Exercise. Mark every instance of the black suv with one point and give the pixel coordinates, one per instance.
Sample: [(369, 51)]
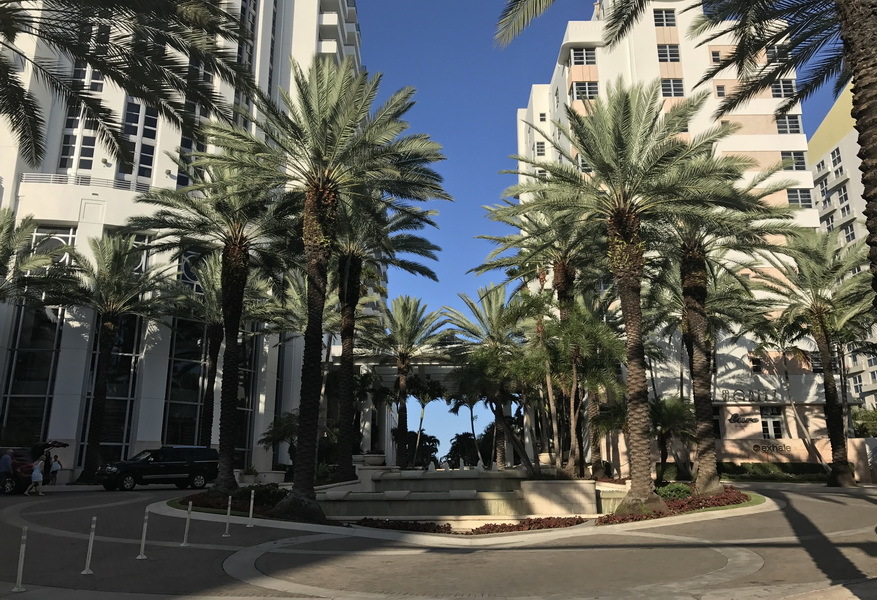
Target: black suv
[(22, 465), (181, 465)]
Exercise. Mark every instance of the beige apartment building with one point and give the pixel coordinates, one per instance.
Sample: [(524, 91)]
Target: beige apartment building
[(751, 402), (80, 192)]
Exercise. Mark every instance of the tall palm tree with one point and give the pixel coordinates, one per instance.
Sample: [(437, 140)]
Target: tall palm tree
[(643, 172), (35, 274), (426, 391), (147, 48), (115, 284), (706, 241), (820, 289), (671, 418), (328, 144), (490, 343), (470, 401), (818, 42), (239, 226), (411, 334), (364, 249)]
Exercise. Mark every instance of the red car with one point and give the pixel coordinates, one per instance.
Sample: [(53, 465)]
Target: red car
[(22, 465)]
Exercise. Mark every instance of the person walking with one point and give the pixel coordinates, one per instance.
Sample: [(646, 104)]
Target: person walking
[(36, 478), (6, 470), (54, 470)]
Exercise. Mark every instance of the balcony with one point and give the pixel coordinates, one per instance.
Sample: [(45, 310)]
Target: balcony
[(84, 180)]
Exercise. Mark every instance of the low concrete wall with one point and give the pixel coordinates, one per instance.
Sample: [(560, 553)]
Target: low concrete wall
[(444, 480), (560, 497)]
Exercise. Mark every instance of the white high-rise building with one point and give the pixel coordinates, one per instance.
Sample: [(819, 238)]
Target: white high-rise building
[(834, 161), (751, 401), (79, 192)]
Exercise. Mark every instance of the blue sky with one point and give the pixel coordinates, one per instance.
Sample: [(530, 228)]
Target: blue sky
[(467, 94)]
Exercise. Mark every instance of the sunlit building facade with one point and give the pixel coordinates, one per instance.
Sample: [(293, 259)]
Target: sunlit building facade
[(80, 191)]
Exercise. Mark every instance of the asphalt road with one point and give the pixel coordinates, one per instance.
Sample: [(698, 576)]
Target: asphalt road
[(810, 542)]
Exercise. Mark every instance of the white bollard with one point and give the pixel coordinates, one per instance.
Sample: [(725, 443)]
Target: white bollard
[(227, 519), (142, 555), (252, 499), (87, 570), (186, 532), (18, 587)]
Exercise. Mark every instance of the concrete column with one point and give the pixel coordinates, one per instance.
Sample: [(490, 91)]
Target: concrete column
[(264, 402), (149, 399)]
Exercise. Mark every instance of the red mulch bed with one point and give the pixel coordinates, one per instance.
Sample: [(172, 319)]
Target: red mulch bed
[(427, 527), (730, 497)]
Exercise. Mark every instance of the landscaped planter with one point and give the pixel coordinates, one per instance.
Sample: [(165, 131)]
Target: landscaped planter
[(374, 460), (271, 477)]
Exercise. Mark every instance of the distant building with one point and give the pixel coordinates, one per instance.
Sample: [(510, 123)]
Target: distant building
[(833, 152)]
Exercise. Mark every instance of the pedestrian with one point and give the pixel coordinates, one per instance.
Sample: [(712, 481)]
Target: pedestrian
[(54, 469), (36, 478), (6, 470)]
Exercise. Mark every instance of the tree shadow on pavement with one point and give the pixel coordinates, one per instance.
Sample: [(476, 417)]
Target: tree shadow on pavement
[(827, 557)]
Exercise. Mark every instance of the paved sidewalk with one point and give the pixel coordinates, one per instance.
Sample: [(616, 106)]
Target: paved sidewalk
[(808, 543)]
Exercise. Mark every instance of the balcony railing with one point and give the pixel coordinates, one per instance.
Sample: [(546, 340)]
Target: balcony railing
[(86, 180)]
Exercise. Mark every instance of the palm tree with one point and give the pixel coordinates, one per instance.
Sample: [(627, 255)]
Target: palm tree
[(489, 345), (283, 429), (327, 144), (671, 418), (411, 334), (643, 172), (470, 401), (365, 248), (144, 48), (425, 391), (115, 285), (34, 274), (820, 289), (816, 42), (239, 226), (702, 243)]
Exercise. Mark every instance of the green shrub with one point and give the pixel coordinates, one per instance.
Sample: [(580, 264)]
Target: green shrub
[(793, 471), (268, 494), (674, 491), (671, 473)]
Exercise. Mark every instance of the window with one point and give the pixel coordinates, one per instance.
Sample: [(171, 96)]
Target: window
[(776, 53), (793, 160), (820, 166), (788, 124), (823, 187), (842, 194), (716, 57), (541, 173), (849, 232), (772, 422), (838, 172), (755, 362), (828, 222), (582, 56), (556, 98), (782, 88), (668, 52), (672, 88), (665, 17), (543, 117), (584, 90), (873, 376), (583, 166), (720, 91), (717, 422), (139, 127), (540, 148), (799, 197), (872, 361), (845, 211), (86, 151), (857, 383), (835, 157)]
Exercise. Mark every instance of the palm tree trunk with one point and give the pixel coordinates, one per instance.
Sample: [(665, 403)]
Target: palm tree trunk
[(419, 431), (858, 20), (318, 216), (556, 456), (214, 343), (626, 262), (505, 431), (235, 266), (474, 438), (597, 470), (805, 431), (574, 463), (841, 475), (694, 276), (350, 268), (402, 369), (106, 337), (664, 447)]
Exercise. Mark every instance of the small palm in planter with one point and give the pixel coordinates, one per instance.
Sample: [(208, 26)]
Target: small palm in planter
[(284, 428), (249, 475)]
